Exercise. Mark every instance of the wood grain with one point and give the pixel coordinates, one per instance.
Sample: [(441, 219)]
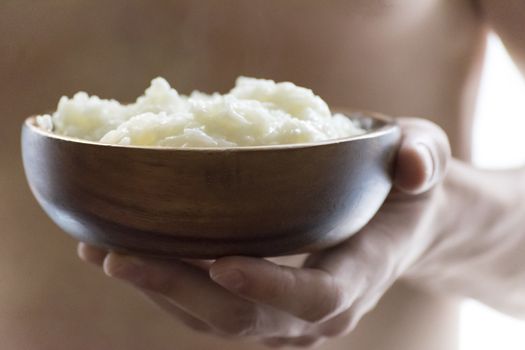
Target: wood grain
[(206, 203)]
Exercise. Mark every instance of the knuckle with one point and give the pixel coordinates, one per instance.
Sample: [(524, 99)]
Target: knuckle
[(307, 342), (340, 297), (418, 123), (155, 277), (241, 320), (274, 290), (154, 281), (286, 284), (336, 301), (160, 284), (197, 326), (333, 299), (341, 325)]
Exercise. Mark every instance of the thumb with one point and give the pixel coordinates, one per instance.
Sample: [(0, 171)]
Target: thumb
[(423, 156)]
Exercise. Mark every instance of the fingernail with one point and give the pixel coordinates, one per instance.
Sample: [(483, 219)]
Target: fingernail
[(426, 154), (123, 267), (81, 247), (230, 279)]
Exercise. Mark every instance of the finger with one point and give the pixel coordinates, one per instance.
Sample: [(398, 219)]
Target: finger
[(91, 254), (303, 341), (96, 255), (166, 305), (340, 325), (307, 341), (423, 155), (309, 294), (369, 258), (370, 262), (275, 342), (191, 289), (202, 264)]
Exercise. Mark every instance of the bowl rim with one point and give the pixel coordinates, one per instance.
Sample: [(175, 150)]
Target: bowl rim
[(390, 125)]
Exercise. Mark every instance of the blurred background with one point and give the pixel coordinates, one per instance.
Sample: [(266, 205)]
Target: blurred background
[(102, 65), (496, 145)]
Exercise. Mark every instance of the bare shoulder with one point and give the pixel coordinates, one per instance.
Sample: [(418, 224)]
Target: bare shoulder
[(506, 18)]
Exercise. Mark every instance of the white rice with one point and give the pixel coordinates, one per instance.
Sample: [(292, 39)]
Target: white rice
[(255, 112)]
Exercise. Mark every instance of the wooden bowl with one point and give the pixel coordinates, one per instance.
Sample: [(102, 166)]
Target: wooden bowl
[(212, 202)]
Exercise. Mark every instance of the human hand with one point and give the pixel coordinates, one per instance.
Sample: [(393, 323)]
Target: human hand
[(277, 305)]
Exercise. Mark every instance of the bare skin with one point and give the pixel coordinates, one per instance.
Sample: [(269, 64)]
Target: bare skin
[(400, 57)]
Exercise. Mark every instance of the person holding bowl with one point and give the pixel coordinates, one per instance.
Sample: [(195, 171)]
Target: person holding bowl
[(448, 230)]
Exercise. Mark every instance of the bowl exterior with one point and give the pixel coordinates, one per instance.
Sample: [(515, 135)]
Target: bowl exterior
[(206, 204)]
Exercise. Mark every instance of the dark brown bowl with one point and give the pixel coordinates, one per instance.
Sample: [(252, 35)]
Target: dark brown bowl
[(212, 202)]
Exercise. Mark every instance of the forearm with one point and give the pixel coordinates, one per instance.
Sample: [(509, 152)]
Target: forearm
[(479, 245)]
